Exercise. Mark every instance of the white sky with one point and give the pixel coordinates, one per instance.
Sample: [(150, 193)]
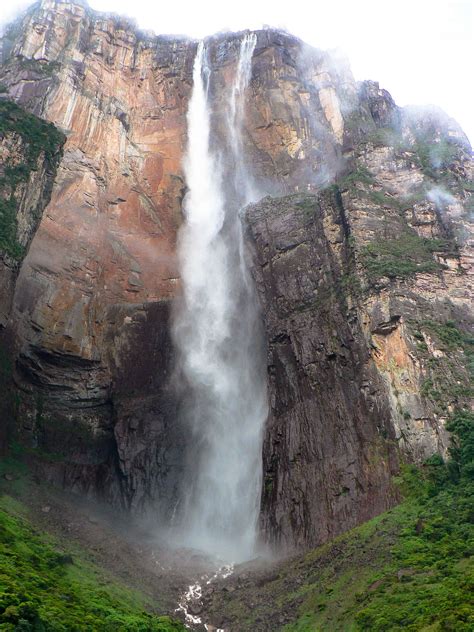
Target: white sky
[(421, 51)]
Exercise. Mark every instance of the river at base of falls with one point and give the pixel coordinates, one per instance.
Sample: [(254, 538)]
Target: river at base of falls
[(190, 604)]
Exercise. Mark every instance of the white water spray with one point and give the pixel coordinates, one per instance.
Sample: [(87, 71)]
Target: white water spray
[(216, 331), (242, 179)]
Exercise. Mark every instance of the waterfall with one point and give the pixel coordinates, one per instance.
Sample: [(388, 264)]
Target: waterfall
[(242, 179), (217, 334)]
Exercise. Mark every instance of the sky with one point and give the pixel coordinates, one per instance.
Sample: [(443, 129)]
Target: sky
[(421, 51)]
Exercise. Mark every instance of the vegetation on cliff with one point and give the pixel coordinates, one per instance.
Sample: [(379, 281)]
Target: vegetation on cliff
[(449, 376), (38, 138), (429, 576), (401, 257)]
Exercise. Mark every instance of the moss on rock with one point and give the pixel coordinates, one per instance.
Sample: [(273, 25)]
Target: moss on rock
[(38, 138)]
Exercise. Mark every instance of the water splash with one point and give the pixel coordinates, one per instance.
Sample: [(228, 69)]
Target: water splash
[(216, 331)]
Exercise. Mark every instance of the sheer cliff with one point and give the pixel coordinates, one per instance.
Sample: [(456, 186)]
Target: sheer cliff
[(361, 251)]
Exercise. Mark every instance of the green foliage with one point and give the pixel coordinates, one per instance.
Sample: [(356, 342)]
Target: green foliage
[(350, 284), (385, 137), (8, 227), (434, 155), (358, 175), (38, 137), (409, 569), (43, 588), (448, 378), (447, 333), (383, 199), (308, 206), (401, 257), (429, 390), (451, 338), (438, 548), (461, 464)]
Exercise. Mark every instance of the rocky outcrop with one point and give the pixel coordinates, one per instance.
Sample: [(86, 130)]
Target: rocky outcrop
[(328, 453), (362, 264), (367, 295)]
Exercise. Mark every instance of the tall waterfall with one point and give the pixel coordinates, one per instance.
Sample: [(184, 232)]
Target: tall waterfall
[(216, 332)]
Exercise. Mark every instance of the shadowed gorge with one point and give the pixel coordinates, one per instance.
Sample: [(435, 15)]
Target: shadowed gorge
[(236, 315)]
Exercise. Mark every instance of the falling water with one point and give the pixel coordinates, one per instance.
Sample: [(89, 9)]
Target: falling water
[(242, 180), (216, 331)]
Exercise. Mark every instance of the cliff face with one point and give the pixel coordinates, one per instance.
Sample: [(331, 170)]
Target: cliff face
[(367, 294), (328, 452), (93, 293), (361, 262), (30, 150)]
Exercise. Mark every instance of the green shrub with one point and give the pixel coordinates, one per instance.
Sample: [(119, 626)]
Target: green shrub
[(408, 569), (437, 547), (447, 333), (461, 426), (38, 137), (401, 257), (360, 174), (434, 156), (44, 589)]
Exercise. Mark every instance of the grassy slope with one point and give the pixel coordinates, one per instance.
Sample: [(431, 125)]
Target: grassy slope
[(409, 569), (50, 585)]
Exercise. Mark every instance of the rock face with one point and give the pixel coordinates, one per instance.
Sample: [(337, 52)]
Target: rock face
[(30, 150), (351, 376), (367, 294), (100, 271), (329, 447), (361, 260)]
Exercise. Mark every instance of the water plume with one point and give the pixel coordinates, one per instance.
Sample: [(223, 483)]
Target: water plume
[(217, 334)]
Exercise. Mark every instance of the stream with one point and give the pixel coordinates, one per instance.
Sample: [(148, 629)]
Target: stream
[(190, 603)]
